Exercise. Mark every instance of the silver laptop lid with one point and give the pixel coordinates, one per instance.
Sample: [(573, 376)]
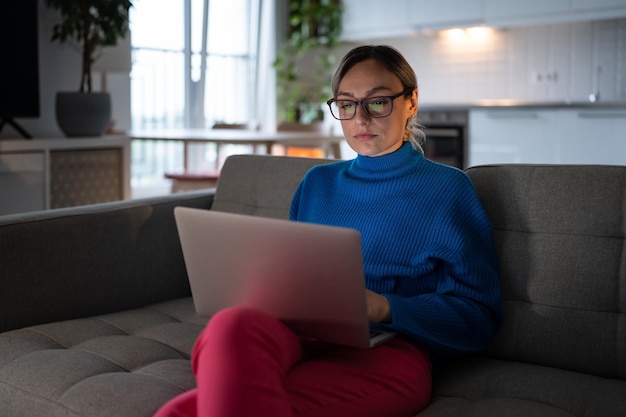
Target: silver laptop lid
[(309, 276)]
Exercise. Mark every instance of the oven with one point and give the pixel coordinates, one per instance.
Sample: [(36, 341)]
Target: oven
[(446, 136)]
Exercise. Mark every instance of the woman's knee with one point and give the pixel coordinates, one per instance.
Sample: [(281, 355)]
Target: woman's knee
[(234, 323), (246, 331), (239, 318)]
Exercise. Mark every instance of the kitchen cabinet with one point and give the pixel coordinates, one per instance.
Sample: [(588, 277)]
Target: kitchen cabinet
[(512, 136), (593, 136), (498, 10), (41, 174), (530, 12), (596, 5), (445, 13), (370, 19), (367, 19), (559, 135)]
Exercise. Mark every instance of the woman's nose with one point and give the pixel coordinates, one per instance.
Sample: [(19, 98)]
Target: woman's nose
[(361, 115)]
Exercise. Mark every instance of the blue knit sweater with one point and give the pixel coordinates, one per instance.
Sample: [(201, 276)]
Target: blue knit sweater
[(427, 243)]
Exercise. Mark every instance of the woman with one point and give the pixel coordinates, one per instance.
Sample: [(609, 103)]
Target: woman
[(429, 262)]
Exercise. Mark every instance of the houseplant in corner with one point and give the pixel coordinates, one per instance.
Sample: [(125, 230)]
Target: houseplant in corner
[(92, 25), (305, 60)]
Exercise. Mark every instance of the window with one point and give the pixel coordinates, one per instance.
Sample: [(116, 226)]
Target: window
[(170, 89), (167, 62)]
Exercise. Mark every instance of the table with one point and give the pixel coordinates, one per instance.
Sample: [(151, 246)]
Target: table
[(328, 143)]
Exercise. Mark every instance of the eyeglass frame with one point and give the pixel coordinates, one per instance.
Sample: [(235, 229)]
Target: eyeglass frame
[(357, 103)]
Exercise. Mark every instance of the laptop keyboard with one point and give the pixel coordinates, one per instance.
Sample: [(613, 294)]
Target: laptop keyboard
[(374, 333)]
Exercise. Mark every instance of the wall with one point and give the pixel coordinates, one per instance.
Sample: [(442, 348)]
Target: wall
[(557, 62), (59, 70)]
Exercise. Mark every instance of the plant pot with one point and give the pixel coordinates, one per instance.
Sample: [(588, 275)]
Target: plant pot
[(83, 114)]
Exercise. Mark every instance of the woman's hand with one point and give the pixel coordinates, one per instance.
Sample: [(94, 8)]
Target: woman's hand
[(378, 308)]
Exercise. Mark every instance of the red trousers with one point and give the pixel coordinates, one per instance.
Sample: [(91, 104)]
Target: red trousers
[(248, 363)]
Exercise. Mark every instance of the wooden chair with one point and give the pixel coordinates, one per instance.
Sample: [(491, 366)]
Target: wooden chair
[(187, 181), (311, 152)]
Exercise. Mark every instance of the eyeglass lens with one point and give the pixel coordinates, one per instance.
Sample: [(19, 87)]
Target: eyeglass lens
[(375, 107)]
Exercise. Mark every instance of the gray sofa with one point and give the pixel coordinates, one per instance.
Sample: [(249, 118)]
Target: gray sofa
[(96, 317)]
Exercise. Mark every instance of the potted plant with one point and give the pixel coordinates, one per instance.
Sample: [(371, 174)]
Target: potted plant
[(92, 24), (313, 34)]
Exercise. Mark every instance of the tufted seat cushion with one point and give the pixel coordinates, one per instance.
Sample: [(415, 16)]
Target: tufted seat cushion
[(138, 357)]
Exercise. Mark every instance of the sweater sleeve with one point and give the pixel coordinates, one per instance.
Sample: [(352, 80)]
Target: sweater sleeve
[(463, 313)]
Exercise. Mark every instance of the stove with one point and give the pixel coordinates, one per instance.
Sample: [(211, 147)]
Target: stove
[(446, 136)]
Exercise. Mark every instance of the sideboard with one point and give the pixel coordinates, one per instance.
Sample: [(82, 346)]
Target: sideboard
[(46, 173)]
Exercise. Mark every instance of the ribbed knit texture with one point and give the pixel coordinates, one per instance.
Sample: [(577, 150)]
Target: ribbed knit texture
[(427, 243)]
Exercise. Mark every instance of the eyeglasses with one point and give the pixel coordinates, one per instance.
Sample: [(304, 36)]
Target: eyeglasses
[(380, 106)]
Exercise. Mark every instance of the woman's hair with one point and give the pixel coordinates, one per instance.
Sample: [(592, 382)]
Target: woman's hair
[(395, 63)]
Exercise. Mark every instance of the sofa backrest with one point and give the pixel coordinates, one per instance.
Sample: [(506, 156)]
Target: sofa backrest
[(560, 235), (261, 185)]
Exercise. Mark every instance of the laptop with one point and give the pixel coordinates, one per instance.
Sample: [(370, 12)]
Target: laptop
[(309, 276)]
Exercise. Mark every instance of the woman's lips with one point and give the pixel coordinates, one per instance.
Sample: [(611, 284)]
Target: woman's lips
[(363, 137)]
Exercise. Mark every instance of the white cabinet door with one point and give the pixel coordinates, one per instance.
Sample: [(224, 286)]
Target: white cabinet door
[(555, 136), (370, 19), (530, 12), (445, 13), (512, 136), (592, 136), (578, 5), (515, 9), (22, 182)]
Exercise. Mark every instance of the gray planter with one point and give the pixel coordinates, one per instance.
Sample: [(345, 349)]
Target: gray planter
[(83, 114)]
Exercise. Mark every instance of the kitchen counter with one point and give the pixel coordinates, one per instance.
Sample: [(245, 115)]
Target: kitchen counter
[(578, 133), (506, 104), (515, 131)]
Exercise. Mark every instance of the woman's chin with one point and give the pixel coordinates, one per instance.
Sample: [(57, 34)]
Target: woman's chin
[(371, 149), (364, 148)]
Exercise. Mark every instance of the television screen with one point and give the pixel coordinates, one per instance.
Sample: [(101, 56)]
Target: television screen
[(19, 71)]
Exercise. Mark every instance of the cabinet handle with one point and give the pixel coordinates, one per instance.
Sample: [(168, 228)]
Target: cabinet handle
[(601, 115), (512, 115)]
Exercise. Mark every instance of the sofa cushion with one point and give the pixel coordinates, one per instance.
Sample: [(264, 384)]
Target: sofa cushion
[(561, 239), (126, 363)]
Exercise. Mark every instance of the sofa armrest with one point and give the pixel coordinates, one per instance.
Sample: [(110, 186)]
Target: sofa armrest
[(82, 261)]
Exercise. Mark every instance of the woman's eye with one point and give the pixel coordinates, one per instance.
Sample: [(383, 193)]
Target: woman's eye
[(376, 105)]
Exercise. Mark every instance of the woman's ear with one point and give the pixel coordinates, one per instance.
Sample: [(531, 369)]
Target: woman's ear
[(414, 102)]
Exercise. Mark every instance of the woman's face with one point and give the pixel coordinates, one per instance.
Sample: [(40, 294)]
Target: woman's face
[(375, 136)]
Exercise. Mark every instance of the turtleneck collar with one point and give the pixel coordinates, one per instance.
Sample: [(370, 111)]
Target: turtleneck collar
[(394, 163)]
